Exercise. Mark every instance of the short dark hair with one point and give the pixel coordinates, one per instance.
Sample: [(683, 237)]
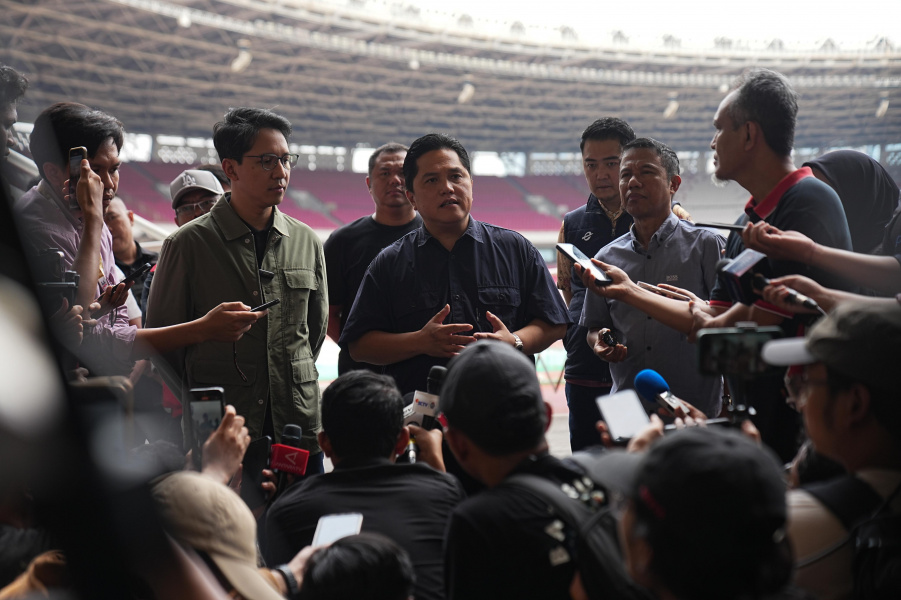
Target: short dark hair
[(67, 125), (768, 99), (217, 171), (362, 414), (389, 148), (236, 134), (366, 566), (608, 128), (429, 143), (667, 156), (12, 85)]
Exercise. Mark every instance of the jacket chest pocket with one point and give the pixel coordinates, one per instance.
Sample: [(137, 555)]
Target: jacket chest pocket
[(299, 283)]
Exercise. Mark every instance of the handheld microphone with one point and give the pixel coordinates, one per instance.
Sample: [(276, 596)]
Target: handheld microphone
[(287, 457), (794, 297), (651, 386), (424, 409)]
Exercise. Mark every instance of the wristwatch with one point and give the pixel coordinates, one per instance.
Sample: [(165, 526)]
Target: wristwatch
[(517, 342), (290, 580)]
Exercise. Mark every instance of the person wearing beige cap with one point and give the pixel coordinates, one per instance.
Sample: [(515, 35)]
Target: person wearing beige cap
[(208, 517), (847, 390)]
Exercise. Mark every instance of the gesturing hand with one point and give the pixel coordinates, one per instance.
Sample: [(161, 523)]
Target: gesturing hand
[(444, 341)]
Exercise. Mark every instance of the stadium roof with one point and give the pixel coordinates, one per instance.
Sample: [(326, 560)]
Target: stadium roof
[(346, 74)]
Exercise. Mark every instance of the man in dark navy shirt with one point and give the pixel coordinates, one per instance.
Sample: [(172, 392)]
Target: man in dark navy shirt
[(450, 282)]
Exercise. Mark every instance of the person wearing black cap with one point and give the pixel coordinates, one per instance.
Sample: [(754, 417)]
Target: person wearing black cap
[(502, 543), (847, 393), (706, 519)]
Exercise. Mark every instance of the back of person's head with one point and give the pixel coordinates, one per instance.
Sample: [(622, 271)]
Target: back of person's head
[(608, 128), (668, 158), (492, 395), (207, 516), (237, 132), (12, 86), (710, 505), (429, 143), (366, 566), (66, 125), (217, 172), (389, 148), (362, 415), (767, 98)]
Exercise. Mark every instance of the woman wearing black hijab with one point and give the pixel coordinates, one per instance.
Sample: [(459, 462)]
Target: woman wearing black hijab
[(868, 194)]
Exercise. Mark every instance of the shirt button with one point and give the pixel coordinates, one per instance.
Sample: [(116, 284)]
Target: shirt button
[(260, 401), (255, 293), (649, 257), (649, 347), (246, 240), (456, 296)]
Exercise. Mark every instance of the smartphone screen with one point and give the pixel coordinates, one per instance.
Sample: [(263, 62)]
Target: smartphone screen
[(576, 255), (623, 413), (76, 155), (206, 407), (334, 527), (734, 352)]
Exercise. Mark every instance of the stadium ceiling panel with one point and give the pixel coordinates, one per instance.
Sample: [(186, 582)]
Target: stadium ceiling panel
[(174, 67)]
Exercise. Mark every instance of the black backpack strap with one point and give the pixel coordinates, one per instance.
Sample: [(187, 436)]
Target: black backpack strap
[(850, 499)]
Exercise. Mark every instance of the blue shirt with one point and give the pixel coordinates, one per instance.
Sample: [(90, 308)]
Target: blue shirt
[(489, 268), (679, 254)]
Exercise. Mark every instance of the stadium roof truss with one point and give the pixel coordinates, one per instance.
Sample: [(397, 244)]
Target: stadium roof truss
[(344, 79)]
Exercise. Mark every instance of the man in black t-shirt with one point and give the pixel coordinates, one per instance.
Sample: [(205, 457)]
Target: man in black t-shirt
[(362, 433), (350, 248), (502, 542)]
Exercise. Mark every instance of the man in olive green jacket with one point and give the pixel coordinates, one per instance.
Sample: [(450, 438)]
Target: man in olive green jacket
[(245, 249)]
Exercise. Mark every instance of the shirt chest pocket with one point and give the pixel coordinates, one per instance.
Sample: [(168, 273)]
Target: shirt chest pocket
[(415, 310), (299, 283), (503, 302)]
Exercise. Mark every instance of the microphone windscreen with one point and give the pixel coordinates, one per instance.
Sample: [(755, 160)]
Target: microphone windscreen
[(649, 383), (722, 264), (291, 435)]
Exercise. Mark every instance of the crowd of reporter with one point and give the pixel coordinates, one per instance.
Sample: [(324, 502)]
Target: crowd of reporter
[(94, 506)]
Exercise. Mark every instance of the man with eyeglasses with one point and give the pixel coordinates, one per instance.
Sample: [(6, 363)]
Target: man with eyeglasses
[(246, 249), (843, 380)]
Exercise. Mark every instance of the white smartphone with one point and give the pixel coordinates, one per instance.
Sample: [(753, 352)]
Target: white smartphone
[(624, 414), (663, 292), (334, 527)]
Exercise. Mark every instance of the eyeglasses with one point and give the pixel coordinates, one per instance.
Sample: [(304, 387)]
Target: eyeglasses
[(268, 161), (798, 386), (190, 209)]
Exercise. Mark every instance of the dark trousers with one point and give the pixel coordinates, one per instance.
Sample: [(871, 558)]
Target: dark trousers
[(583, 414)]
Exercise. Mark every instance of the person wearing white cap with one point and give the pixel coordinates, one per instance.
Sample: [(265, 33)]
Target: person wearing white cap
[(847, 392), (194, 192)]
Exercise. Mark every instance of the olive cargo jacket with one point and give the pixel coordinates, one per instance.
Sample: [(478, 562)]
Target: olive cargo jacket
[(212, 260)]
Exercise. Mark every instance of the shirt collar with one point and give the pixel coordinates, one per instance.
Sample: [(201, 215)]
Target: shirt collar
[(758, 211), (46, 190), (594, 205), (663, 232), (233, 227), (474, 230)]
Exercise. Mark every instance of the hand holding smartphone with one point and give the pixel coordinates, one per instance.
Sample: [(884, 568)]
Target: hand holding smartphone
[(206, 408), (576, 255), (76, 155), (624, 415)]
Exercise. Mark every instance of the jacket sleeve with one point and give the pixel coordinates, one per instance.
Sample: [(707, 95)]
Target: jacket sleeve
[(170, 304), (317, 317)]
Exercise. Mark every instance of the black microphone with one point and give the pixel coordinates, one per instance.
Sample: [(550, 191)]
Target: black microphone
[(793, 297), (433, 386)]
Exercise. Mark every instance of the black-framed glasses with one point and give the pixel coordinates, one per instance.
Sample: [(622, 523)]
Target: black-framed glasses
[(268, 161)]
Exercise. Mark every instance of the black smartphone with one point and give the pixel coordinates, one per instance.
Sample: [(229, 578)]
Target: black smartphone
[(76, 155), (256, 458), (266, 305), (726, 226), (139, 272), (206, 408), (576, 255)]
